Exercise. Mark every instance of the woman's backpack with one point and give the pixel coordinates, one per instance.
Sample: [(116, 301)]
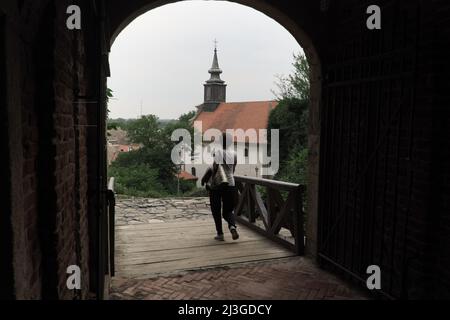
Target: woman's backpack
[(219, 177)]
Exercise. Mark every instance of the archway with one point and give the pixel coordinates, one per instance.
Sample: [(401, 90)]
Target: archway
[(121, 16), (381, 95)]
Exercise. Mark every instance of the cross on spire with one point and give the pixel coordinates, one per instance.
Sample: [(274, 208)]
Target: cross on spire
[(215, 44)]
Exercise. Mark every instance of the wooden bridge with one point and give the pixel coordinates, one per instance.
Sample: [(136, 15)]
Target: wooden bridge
[(188, 263), (145, 250), (271, 227)]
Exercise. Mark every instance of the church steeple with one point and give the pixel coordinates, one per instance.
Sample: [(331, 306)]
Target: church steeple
[(215, 70), (215, 88)]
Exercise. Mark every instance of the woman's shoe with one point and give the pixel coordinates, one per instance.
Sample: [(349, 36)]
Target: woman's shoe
[(234, 233), (219, 237)]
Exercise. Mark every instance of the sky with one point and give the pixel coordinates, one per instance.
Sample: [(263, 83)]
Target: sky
[(160, 61)]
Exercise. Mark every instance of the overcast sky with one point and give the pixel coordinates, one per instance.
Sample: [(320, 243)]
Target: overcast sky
[(162, 58)]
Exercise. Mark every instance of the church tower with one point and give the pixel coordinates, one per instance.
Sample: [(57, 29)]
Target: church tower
[(215, 88)]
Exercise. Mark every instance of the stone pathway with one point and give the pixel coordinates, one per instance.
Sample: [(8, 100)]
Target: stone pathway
[(143, 210)]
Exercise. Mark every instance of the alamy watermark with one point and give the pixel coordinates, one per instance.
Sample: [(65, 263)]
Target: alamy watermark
[(251, 147), (374, 280), (73, 22), (74, 279), (374, 20)]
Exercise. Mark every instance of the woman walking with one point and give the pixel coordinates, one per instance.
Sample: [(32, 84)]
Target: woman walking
[(222, 188)]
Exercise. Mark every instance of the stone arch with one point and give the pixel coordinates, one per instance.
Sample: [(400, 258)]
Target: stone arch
[(121, 14)]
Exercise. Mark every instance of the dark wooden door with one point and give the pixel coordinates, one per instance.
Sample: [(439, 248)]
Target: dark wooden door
[(366, 181)]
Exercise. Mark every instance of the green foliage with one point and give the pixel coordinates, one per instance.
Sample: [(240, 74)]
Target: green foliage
[(291, 118), (186, 187), (158, 159), (119, 123), (300, 79), (294, 169), (137, 180), (153, 160), (187, 118), (295, 85), (183, 122), (146, 131), (109, 95)]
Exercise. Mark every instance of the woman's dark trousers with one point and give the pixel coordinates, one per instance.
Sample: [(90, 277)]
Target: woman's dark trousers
[(223, 199)]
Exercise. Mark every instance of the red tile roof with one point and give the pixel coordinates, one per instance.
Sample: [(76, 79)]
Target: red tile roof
[(183, 175), (237, 115)]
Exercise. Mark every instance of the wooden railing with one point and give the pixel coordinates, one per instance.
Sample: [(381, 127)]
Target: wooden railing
[(278, 214)]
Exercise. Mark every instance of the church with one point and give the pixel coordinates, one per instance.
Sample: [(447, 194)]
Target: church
[(245, 117)]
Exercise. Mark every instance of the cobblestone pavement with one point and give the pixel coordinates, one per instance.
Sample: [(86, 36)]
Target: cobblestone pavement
[(143, 210), (294, 278), (284, 279)]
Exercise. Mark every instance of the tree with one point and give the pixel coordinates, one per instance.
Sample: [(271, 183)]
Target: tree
[(294, 169), (183, 122), (153, 159), (290, 117), (119, 123), (187, 118), (295, 85), (146, 131)]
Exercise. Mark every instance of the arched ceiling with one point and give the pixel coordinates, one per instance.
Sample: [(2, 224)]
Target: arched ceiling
[(302, 18)]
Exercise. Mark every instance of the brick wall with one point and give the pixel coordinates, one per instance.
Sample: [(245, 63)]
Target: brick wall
[(6, 268), (49, 170), (27, 238), (71, 155)]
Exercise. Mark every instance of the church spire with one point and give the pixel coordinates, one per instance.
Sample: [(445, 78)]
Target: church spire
[(215, 70), (215, 88)]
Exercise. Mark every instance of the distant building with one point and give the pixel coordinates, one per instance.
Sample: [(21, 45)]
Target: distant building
[(183, 175), (216, 113), (118, 143)]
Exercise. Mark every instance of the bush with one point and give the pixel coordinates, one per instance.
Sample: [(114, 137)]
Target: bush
[(290, 117), (137, 180), (294, 169)]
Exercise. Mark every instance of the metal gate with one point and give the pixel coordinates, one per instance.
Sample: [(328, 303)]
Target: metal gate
[(367, 134)]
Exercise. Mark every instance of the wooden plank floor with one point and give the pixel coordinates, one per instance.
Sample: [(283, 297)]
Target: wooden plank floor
[(145, 250)]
